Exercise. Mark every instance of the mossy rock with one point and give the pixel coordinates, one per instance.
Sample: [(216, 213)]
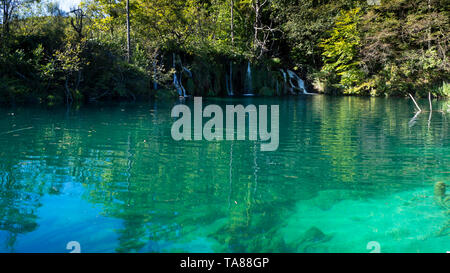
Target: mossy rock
[(311, 240), (54, 99), (326, 199), (163, 94), (266, 91), (190, 87)]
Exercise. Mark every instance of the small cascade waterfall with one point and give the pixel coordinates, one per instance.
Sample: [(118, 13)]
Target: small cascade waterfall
[(227, 84), (155, 84), (231, 93), (276, 87), (178, 86), (285, 81), (229, 81), (248, 81), (185, 69), (177, 82), (300, 83)]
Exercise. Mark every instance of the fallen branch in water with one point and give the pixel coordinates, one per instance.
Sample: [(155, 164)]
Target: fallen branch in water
[(413, 120), (420, 110), (429, 99), (431, 110), (13, 131)]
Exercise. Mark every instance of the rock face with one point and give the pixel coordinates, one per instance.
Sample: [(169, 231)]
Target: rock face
[(311, 239)]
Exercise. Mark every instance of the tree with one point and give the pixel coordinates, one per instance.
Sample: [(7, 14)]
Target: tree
[(340, 50), (70, 62), (8, 9), (128, 32), (263, 29), (78, 24), (232, 21)]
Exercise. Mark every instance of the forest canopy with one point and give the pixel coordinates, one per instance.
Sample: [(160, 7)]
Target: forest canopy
[(370, 48)]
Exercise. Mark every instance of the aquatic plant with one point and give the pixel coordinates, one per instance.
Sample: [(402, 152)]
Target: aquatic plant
[(439, 191)]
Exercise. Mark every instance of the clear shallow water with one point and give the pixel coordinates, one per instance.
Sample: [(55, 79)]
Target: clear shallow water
[(112, 178)]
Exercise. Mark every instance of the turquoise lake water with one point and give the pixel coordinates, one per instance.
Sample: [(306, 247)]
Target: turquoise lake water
[(349, 172)]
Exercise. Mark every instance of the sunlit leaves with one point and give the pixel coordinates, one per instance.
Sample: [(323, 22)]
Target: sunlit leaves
[(341, 49)]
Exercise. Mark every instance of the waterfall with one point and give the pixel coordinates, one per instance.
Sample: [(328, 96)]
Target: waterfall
[(189, 73), (178, 86), (230, 86), (284, 74), (229, 81), (227, 84), (177, 82), (175, 78), (155, 84), (249, 78), (285, 81), (248, 81), (300, 83)]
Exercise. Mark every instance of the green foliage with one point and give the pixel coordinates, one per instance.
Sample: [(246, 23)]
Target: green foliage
[(397, 46), (12, 90), (305, 24), (339, 46), (69, 59), (266, 91), (405, 46), (443, 90), (340, 51)]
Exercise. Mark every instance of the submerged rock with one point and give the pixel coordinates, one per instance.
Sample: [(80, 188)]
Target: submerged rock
[(439, 190), (447, 201), (311, 238), (326, 199), (440, 196), (445, 230), (314, 235)]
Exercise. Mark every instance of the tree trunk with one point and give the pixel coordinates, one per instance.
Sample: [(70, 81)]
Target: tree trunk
[(232, 23), (128, 32), (68, 93), (256, 24), (429, 29), (231, 78), (5, 23)]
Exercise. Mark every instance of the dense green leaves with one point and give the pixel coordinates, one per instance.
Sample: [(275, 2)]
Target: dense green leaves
[(339, 46), (388, 48), (340, 50)]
